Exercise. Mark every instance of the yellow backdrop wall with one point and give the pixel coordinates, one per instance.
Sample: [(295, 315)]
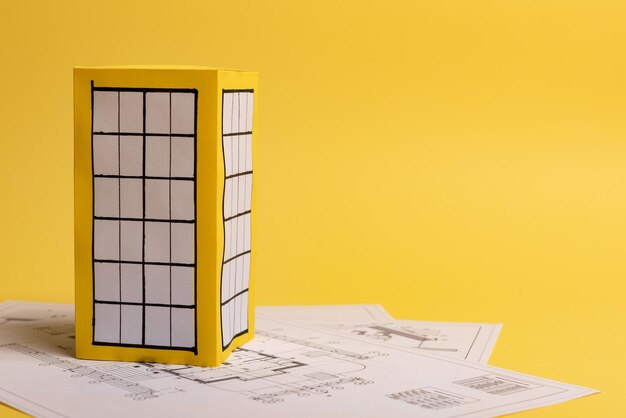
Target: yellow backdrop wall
[(451, 160)]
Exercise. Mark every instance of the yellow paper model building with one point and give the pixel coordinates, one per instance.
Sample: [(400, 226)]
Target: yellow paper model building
[(163, 213)]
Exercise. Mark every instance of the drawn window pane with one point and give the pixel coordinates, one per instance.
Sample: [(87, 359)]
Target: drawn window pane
[(157, 156), (248, 192), (226, 294), (158, 199), (131, 324), (249, 112), (156, 332), (131, 282), (157, 242), (131, 240), (241, 274), (182, 154), (182, 327), (105, 150), (183, 105), (237, 117), (131, 112), (144, 216), (182, 243), (158, 113), (131, 155), (182, 285), (182, 200), (106, 238), (131, 198), (107, 282), (244, 312), (105, 111), (107, 197), (246, 271), (157, 284), (107, 323), (226, 324)]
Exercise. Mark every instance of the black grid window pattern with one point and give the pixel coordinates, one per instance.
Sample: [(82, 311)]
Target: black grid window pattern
[(237, 112), (144, 217)]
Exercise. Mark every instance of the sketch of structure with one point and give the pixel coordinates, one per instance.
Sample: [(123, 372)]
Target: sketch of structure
[(423, 338)]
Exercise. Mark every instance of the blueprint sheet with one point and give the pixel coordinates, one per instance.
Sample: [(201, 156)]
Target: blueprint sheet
[(326, 313), (468, 341), (465, 341), (290, 369)]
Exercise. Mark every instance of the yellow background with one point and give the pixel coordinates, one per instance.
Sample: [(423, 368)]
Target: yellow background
[(451, 160)]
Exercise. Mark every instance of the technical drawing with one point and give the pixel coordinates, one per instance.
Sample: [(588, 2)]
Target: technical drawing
[(303, 367), (468, 341), (425, 338), (136, 391), (432, 398), (289, 368), (270, 378), (27, 316)]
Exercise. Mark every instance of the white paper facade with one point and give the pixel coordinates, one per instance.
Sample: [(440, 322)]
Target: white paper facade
[(237, 107), (144, 229)]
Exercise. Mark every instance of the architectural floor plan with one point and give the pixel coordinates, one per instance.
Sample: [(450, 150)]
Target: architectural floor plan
[(366, 369)]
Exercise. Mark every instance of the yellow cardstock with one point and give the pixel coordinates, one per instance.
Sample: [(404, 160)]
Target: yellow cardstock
[(164, 213)]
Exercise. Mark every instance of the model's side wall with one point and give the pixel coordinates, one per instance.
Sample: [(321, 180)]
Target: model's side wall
[(83, 209), (208, 231), (236, 80), (206, 210)]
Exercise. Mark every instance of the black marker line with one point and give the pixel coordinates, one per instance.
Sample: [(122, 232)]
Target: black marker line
[(143, 246), (221, 313), (160, 134), (230, 218), (113, 176), (150, 346), (170, 210), (239, 334), (93, 230), (240, 133), (119, 201), (147, 263), (158, 305), (195, 228), (473, 342), (230, 299), (146, 89), (243, 173), (175, 221)]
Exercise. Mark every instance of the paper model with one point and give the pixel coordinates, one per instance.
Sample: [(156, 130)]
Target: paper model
[(163, 213)]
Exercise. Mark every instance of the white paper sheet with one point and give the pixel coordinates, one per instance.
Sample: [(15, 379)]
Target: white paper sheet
[(290, 369), (321, 314), (465, 341)]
